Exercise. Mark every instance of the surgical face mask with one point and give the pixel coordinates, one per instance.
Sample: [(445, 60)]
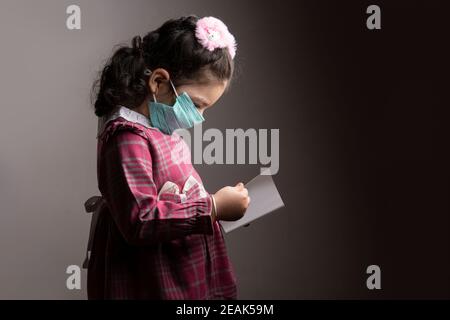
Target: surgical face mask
[(182, 115)]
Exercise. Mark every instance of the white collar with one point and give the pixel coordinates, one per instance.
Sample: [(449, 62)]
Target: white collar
[(127, 114)]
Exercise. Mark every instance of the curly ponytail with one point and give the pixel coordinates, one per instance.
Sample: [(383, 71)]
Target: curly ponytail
[(122, 79), (172, 46)]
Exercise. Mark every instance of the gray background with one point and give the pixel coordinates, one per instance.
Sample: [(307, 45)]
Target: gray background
[(363, 151)]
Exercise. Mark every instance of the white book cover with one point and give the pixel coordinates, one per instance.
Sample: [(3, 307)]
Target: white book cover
[(264, 199)]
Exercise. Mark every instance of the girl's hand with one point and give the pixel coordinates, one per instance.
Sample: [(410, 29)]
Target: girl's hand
[(231, 202)]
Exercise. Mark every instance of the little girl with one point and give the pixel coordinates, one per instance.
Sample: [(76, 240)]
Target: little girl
[(157, 234)]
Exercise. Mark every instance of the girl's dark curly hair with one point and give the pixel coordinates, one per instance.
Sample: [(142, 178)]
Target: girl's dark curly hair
[(174, 47)]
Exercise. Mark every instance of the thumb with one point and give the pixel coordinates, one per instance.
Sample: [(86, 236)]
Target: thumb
[(240, 186)]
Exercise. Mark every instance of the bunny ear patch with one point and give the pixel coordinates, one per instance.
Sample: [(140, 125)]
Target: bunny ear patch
[(190, 182)]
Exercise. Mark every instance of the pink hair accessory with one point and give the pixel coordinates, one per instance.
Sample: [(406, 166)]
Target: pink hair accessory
[(212, 33)]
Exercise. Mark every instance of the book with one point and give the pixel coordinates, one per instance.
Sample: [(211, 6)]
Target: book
[(264, 199)]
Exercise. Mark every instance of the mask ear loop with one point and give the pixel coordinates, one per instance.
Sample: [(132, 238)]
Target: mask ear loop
[(173, 87), (148, 72)]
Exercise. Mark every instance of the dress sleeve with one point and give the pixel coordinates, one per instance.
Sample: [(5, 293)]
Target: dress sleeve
[(132, 196)]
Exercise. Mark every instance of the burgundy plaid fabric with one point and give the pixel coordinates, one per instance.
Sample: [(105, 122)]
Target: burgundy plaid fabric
[(148, 246)]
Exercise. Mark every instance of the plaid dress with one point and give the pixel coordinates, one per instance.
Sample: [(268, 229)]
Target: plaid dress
[(150, 244)]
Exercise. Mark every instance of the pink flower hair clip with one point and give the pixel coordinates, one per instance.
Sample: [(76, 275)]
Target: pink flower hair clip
[(212, 33)]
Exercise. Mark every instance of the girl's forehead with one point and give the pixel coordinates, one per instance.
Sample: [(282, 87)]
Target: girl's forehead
[(204, 77)]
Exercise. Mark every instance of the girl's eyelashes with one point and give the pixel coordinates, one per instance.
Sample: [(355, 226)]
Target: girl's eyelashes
[(197, 104)]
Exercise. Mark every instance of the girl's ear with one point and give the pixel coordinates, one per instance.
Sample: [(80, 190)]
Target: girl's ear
[(158, 77)]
